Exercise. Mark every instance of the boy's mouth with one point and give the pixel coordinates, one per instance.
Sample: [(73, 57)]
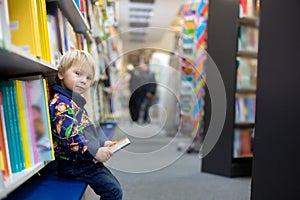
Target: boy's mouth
[(79, 87)]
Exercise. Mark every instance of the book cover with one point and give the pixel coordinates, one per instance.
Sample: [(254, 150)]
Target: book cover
[(43, 30), (120, 144), (21, 104), (9, 128), (5, 31), (3, 143), (30, 125), (242, 145), (53, 39), (24, 27), (16, 125), (40, 120), (46, 96), (56, 20), (70, 36)]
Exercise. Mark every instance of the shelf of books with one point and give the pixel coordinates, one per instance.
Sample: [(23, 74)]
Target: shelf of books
[(74, 11), (193, 56), (245, 97), (30, 48), (25, 139)]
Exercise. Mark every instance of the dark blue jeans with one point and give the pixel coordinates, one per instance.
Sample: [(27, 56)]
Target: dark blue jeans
[(100, 179)]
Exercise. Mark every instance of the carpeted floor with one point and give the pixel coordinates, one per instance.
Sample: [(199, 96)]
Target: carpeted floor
[(180, 179)]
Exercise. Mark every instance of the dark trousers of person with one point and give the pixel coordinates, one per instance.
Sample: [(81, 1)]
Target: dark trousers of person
[(99, 178), (147, 103), (135, 103)]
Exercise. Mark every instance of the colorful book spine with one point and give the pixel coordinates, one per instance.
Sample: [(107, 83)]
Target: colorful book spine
[(16, 125), (25, 28), (30, 124), (4, 26), (47, 117), (6, 168), (21, 103), (40, 118), (8, 116), (43, 30)]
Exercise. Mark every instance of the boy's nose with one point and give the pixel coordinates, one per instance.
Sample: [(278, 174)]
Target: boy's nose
[(83, 80)]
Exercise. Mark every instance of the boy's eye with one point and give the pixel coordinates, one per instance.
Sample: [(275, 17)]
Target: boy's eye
[(89, 78), (78, 73)]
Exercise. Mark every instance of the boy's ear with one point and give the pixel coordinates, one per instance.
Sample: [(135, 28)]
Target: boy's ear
[(60, 75)]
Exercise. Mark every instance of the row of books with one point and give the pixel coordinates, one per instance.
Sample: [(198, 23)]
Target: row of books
[(245, 109), (25, 138), (44, 31), (243, 143), (246, 73), (193, 44), (248, 39), (246, 62), (199, 75), (249, 8), (188, 36), (57, 31)]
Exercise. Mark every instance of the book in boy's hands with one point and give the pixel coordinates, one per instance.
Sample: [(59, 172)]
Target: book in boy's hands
[(120, 144)]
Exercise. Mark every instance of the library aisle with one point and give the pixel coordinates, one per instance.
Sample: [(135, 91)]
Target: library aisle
[(179, 180)]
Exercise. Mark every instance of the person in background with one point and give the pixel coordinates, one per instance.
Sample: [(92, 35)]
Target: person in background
[(78, 150), (143, 87)]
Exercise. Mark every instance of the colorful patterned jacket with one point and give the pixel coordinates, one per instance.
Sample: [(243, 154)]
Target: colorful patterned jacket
[(74, 135)]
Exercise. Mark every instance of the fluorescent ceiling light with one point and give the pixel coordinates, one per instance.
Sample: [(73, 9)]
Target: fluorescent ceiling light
[(139, 20), (146, 7)]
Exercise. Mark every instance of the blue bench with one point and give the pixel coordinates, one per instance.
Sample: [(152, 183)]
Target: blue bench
[(47, 185)]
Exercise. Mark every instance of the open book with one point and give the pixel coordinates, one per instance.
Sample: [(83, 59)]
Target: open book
[(120, 144)]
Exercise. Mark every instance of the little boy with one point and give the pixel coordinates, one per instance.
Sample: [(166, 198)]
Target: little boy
[(79, 152)]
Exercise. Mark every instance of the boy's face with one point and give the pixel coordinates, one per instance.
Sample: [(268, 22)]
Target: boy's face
[(77, 78)]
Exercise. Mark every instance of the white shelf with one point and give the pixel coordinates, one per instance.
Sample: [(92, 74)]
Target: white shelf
[(15, 62), (74, 16), (17, 179)]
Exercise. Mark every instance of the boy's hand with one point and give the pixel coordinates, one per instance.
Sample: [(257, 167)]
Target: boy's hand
[(103, 154), (109, 143)]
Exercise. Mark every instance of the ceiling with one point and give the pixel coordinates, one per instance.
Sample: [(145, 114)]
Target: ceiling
[(145, 22)]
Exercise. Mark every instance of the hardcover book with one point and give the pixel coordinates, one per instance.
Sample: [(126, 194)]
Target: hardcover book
[(120, 144)]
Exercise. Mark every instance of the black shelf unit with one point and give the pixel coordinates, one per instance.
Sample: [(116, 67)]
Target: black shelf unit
[(276, 165), (222, 43)]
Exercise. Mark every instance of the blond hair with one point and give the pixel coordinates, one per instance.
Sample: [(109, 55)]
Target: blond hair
[(70, 57)]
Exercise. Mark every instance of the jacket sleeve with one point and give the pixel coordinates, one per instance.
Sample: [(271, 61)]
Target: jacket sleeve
[(66, 127)]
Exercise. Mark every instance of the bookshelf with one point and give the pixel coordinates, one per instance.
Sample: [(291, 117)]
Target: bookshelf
[(275, 162), (235, 53), (71, 12), (13, 61), (18, 63)]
